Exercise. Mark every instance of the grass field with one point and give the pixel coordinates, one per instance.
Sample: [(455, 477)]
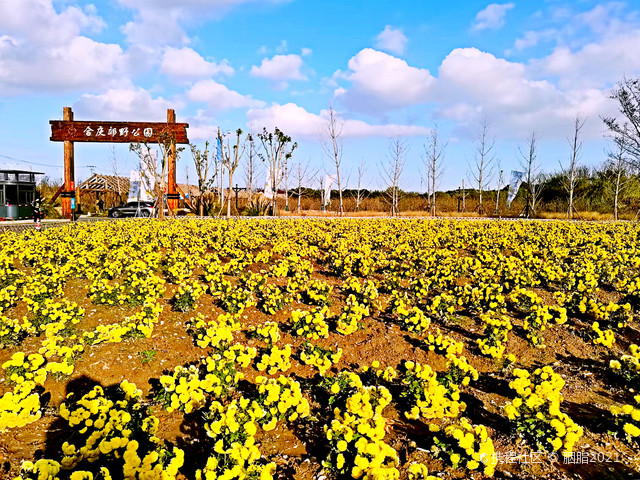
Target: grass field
[(360, 348)]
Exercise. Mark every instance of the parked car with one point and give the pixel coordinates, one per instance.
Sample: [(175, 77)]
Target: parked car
[(133, 209)]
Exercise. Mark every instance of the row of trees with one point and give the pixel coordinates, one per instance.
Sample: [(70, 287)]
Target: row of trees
[(275, 149)]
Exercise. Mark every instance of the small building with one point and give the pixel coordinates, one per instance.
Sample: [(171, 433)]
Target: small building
[(17, 191), (113, 190)]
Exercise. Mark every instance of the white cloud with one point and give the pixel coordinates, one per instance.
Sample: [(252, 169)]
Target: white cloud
[(391, 40), (593, 50), (43, 50), (37, 21), (79, 64), (187, 64), (380, 82), (161, 22), (492, 17), (298, 122), (131, 104), (474, 84), (596, 64), (218, 97), (279, 68)]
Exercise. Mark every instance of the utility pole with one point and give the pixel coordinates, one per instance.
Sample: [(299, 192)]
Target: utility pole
[(236, 189), (498, 192), (464, 200)]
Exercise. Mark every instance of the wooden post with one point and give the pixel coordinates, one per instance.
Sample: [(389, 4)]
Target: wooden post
[(69, 176), (172, 191)]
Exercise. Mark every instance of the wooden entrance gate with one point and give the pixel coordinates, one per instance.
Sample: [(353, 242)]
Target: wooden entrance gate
[(69, 131)]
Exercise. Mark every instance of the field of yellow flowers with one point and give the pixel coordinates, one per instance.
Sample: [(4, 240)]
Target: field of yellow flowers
[(312, 349)]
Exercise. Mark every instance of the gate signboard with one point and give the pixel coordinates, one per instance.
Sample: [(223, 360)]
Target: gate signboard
[(118, 132), (69, 131)]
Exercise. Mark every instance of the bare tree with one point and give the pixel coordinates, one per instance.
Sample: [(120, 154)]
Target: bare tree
[(302, 176), (570, 179), (392, 171), (277, 150), (333, 148), (115, 168), (626, 133), (203, 162), (157, 166), (361, 193), (482, 169), (619, 168), (231, 155), (532, 174), (433, 159), (250, 171)]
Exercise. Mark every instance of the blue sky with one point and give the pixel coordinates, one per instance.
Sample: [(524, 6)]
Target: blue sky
[(389, 68)]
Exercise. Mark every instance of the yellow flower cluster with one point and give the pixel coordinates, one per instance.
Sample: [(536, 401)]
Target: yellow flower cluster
[(214, 333), (523, 300), (350, 320), (465, 445), (628, 419), (538, 319), (113, 427), (272, 298), (321, 358), (459, 372), (187, 295), (356, 436), (317, 292), (140, 324), (139, 285), (280, 398), (365, 292), (629, 364), (235, 301), (19, 407), (50, 311), (274, 360), (606, 338), (442, 307), (482, 297), (232, 428), (186, 389), (20, 368), (427, 396), (443, 344), (536, 410), (269, 332), (418, 471), (496, 330), (310, 324)]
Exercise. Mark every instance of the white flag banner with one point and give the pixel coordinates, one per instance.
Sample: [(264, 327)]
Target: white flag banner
[(134, 186), (268, 187), (147, 179), (514, 186), (328, 183)]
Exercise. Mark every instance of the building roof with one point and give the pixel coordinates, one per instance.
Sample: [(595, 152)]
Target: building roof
[(106, 183), (21, 171)]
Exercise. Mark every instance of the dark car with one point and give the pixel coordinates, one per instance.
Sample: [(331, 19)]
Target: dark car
[(133, 209)]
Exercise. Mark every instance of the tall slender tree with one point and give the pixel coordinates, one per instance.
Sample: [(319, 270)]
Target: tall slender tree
[(569, 173), (392, 171), (231, 156), (482, 169), (532, 173), (277, 150), (333, 148), (434, 161), (626, 131)]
